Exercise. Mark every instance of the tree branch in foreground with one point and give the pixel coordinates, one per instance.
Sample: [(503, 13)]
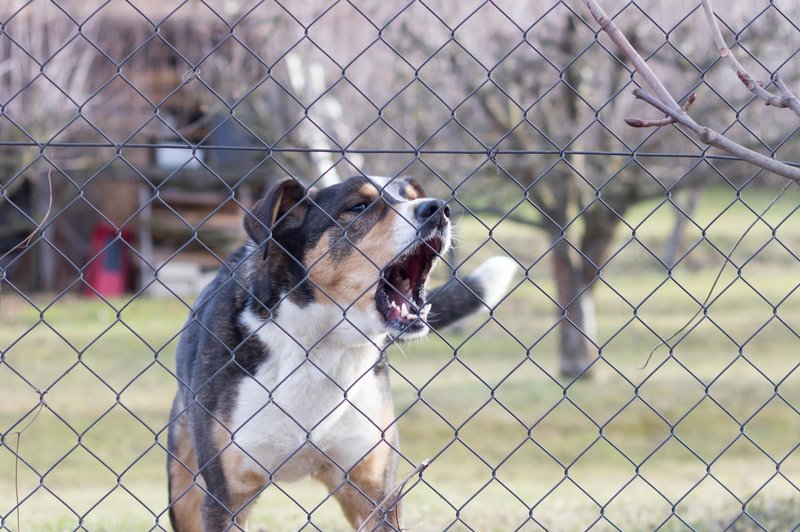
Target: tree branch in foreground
[(641, 122), (786, 100), (788, 96), (662, 100)]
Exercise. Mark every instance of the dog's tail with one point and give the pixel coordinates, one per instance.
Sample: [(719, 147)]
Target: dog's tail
[(481, 290)]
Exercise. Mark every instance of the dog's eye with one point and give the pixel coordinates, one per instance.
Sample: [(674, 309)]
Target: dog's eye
[(361, 207)]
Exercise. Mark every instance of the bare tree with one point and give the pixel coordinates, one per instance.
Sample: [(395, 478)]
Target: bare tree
[(511, 104)]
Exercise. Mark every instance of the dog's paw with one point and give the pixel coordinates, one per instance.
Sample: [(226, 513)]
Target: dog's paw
[(494, 277)]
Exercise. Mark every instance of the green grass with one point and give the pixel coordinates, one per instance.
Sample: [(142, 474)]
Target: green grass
[(527, 444)]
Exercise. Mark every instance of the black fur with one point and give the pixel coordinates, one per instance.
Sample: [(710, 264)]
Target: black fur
[(454, 300)]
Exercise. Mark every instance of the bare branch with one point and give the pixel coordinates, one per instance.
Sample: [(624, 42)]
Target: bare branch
[(642, 122), (713, 138), (502, 214), (787, 95), (650, 78), (662, 100), (744, 76)]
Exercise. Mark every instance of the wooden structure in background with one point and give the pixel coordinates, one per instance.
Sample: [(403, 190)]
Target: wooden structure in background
[(181, 212), (184, 234)]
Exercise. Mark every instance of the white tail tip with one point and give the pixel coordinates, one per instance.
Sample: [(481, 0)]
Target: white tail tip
[(495, 275)]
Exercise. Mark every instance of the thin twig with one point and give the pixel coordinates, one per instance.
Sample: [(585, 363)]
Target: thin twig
[(504, 215), (713, 138), (642, 122), (639, 64), (664, 102), (18, 434), (786, 94), (725, 263), (25, 242), (398, 489), (756, 87)]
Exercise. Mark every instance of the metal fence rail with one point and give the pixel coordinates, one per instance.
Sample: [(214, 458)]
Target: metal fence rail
[(640, 370)]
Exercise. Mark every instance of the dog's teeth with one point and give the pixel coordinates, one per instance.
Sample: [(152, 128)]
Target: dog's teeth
[(392, 304), (403, 310), (425, 310)]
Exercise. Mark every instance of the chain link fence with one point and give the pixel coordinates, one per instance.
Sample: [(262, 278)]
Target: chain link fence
[(640, 371)]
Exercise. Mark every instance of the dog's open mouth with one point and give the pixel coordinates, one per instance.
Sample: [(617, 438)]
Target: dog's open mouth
[(400, 297)]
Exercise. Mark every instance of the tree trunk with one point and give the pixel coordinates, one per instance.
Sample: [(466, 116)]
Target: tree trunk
[(573, 342), (675, 242)]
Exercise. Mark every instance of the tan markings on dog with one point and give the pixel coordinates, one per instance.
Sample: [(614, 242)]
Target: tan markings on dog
[(411, 192), (243, 483), (415, 191), (353, 279), (186, 494), (368, 191), (321, 270), (367, 483)]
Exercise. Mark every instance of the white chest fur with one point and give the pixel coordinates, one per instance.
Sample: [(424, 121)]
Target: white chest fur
[(316, 398)]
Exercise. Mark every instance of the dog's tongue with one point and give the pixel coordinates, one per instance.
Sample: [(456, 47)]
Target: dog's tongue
[(395, 314)]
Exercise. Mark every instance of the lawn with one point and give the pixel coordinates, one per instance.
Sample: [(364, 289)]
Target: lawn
[(704, 428)]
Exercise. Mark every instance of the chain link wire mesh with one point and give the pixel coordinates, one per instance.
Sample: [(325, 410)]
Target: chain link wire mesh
[(640, 371)]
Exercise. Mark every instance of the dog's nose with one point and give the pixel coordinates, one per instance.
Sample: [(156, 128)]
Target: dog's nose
[(434, 210)]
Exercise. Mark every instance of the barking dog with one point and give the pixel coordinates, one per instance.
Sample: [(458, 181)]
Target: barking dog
[(281, 364)]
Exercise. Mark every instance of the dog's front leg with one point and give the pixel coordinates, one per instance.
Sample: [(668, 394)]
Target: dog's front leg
[(362, 488), (228, 499), (230, 489)]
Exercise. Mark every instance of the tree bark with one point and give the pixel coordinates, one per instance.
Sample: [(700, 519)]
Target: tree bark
[(573, 342), (575, 283), (675, 242)]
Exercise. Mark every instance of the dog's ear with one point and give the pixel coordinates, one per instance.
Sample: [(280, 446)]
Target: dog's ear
[(281, 209)]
